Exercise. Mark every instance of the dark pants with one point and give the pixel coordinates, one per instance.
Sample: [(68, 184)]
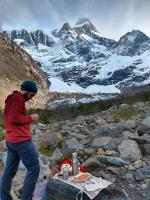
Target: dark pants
[(28, 154)]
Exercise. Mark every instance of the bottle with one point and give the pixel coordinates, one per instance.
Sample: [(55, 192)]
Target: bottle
[(75, 166), (65, 173)]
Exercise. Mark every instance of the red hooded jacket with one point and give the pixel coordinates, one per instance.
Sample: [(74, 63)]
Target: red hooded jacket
[(17, 122)]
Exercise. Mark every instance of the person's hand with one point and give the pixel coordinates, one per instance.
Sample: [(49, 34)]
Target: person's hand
[(35, 117)]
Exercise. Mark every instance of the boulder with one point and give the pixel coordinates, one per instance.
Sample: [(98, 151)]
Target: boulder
[(129, 150), (58, 190)]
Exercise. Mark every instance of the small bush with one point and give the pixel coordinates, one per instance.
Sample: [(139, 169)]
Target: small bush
[(2, 134), (46, 149), (125, 113)]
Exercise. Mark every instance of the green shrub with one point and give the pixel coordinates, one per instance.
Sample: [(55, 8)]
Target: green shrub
[(125, 113), (46, 149), (2, 134)]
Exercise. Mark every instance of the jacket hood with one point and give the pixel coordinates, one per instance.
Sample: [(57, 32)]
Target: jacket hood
[(9, 97)]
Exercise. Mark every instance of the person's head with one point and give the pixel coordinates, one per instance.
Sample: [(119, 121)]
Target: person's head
[(28, 89)]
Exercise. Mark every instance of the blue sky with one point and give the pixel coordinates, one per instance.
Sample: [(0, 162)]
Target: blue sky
[(112, 18)]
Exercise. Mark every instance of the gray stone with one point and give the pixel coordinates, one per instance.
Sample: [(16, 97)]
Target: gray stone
[(129, 150), (111, 160), (91, 162), (3, 146), (128, 135), (147, 148), (146, 171), (111, 130), (71, 145), (139, 105), (123, 106), (129, 177), (113, 144), (130, 123), (139, 176), (146, 122), (42, 126), (53, 139), (90, 151), (57, 155), (78, 135), (100, 142), (143, 129), (138, 164)]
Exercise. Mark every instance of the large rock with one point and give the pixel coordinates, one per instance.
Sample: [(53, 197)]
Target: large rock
[(143, 129), (111, 160), (129, 150), (71, 145), (58, 190), (146, 122), (101, 142), (112, 130)]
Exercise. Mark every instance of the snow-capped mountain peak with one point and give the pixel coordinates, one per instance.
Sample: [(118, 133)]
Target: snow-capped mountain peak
[(134, 36), (85, 61), (84, 25), (132, 43)]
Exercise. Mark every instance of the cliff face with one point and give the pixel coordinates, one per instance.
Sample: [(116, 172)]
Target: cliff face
[(15, 66)]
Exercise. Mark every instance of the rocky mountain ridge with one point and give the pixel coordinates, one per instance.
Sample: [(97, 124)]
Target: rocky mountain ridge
[(80, 57), (15, 66)]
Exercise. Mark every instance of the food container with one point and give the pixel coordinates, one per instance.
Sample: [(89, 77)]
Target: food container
[(65, 173)]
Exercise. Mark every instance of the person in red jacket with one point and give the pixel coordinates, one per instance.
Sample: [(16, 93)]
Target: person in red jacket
[(19, 141)]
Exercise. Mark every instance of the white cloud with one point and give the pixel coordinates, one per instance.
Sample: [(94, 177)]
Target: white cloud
[(113, 18)]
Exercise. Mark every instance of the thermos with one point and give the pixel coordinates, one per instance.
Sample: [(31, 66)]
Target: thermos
[(75, 165)]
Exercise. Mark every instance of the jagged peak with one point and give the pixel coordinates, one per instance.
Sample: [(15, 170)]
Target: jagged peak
[(82, 21), (84, 25), (66, 26), (134, 34)]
